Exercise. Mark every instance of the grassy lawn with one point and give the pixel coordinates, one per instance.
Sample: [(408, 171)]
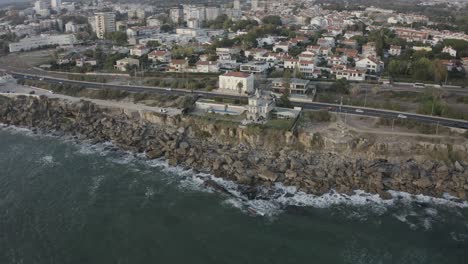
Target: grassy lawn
[(280, 124)]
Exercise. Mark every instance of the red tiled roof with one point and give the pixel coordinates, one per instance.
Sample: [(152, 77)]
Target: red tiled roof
[(178, 61), (237, 74)]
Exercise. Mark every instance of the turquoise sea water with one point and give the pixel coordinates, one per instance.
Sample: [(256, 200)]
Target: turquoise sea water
[(64, 202)]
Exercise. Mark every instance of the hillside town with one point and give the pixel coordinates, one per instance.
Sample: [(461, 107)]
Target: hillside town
[(278, 50)]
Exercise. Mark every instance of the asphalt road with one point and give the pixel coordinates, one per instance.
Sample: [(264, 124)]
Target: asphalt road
[(305, 105)]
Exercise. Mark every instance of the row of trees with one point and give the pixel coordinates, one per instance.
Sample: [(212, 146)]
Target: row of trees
[(421, 69)]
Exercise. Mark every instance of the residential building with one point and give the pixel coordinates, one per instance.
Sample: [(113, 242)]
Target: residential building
[(349, 74), (370, 64), (369, 50), (142, 31), (176, 15), (160, 56), (178, 65), (450, 50), (411, 34), (85, 61), (139, 50), (326, 42), (104, 23), (237, 4), (36, 42), (212, 12), (153, 22), (259, 106), (207, 66), (123, 64), (394, 50), (56, 4), (227, 53), (255, 67), (233, 81), (294, 86), (281, 47)]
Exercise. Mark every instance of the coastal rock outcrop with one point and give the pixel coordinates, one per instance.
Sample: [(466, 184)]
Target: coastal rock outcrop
[(247, 157)]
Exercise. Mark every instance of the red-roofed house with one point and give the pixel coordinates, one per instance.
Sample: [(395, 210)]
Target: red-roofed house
[(178, 65), (233, 81), (207, 66), (160, 55), (371, 64)]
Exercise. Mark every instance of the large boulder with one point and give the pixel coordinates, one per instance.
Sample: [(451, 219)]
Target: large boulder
[(267, 175)]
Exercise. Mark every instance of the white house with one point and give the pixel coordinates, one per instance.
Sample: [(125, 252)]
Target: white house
[(259, 106), (178, 65), (84, 61), (349, 74), (281, 47), (207, 66), (450, 51), (35, 42), (369, 50), (122, 64), (226, 53), (295, 86), (139, 50), (395, 50), (232, 81), (370, 64), (254, 67), (160, 55)]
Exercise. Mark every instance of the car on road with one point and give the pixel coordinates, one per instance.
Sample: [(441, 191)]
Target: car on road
[(168, 89), (402, 116), (359, 111), (419, 85), (163, 110)]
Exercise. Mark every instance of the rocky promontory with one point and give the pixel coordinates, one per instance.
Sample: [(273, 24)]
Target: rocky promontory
[(313, 163)]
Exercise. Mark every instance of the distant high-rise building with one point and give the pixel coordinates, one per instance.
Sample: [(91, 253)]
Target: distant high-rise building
[(212, 12), (254, 5), (42, 7), (104, 23), (237, 4), (56, 4), (259, 5), (176, 14)]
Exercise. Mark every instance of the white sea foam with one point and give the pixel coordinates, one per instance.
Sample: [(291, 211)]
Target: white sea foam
[(278, 197), (47, 160), (96, 183)]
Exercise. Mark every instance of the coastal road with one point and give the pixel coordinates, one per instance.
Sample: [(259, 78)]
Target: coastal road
[(345, 109)]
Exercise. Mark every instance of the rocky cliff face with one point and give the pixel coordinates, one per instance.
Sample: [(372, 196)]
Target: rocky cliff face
[(312, 163)]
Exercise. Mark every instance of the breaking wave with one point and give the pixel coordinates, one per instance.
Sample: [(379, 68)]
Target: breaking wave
[(417, 211)]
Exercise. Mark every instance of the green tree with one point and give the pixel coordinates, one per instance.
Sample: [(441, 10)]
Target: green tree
[(153, 44), (440, 71), (118, 38), (341, 86), (422, 70), (272, 20)]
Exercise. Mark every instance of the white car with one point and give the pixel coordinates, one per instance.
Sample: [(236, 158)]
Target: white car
[(168, 89), (359, 111), (402, 116), (163, 110)]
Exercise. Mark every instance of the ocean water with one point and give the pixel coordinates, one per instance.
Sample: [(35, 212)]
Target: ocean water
[(67, 202)]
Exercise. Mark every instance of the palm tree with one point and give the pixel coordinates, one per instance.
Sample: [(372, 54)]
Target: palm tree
[(240, 86)]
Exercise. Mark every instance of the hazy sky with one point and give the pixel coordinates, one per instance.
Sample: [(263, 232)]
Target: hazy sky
[(12, 1)]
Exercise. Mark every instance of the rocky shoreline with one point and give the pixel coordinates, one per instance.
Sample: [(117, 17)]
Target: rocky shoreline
[(311, 163)]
